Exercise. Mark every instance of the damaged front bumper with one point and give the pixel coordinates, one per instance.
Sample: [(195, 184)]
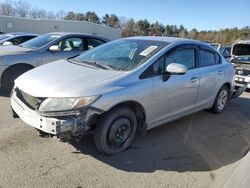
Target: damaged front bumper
[(63, 126)]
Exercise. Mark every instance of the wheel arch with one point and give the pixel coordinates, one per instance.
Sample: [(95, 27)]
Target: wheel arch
[(14, 66), (139, 111)]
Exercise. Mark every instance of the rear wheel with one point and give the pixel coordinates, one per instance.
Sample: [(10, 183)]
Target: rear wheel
[(220, 101), (11, 74), (115, 130)]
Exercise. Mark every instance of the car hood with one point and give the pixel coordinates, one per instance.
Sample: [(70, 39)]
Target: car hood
[(6, 50), (64, 79)]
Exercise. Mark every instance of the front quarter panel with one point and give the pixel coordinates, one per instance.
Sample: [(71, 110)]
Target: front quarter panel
[(139, 91), (33, 59)]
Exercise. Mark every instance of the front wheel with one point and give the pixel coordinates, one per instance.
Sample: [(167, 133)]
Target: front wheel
[(115, 130), (221, 100)]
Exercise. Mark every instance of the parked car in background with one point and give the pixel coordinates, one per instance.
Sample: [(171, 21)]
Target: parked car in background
[(15, 60), (128, 85), (240, 57), (16, 38), (225, 51)]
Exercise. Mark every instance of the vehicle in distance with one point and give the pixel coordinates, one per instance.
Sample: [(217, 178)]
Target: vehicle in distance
[(241, 60), (225, 51), (15, 60), (126, 86), (16, 38)]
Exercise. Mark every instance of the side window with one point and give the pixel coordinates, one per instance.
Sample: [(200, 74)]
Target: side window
[(155, 69), (92, 43), (183, 56), (71, 44), (207, 58), (26, 38), (16, 41)]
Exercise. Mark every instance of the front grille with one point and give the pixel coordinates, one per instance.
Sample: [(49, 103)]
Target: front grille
[(30, 101)]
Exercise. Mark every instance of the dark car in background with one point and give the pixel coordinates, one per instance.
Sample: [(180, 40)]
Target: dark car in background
[(16, 38), (15, 60)]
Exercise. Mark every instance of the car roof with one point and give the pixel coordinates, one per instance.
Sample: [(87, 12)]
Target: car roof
[(169, 39), (21, 34), (81, 34)]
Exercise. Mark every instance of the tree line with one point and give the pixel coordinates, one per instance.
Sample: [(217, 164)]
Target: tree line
[(129, 26)]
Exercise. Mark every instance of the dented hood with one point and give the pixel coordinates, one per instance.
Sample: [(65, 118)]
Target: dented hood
[(65, 79)]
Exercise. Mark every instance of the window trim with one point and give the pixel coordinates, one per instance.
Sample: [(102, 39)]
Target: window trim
[(169, 52)]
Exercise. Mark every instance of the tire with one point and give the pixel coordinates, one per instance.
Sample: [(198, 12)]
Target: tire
[(11, 74), (220, 100), (115, 130)]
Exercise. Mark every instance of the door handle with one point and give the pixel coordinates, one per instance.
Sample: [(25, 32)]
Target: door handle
[(194, 79)]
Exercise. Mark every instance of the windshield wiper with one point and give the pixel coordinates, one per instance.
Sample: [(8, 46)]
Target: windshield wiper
[(103, 66), (90, 63)]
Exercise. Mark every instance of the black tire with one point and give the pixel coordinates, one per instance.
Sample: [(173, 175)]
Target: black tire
[(11, 74), (112, 134), (219, 106)]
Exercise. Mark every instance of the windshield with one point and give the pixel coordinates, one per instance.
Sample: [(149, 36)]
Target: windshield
[(122, 55), (40, 41)]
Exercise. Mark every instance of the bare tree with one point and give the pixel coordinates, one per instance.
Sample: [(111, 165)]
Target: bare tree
[(42, 14), (37, 13), (51, 15), (60, 14), (34, 13), (6, 8), (22, 8)]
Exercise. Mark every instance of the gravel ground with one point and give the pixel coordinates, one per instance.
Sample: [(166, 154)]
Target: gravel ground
[(190, 152)]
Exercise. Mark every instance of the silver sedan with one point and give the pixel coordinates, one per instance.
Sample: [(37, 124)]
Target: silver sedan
[(123, 87)]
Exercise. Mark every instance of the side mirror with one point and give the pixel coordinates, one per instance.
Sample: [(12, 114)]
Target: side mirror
[(7, 43), (176, 68), (54, 48)]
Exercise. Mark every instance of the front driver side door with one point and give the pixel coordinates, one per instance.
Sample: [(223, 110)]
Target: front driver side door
[(69, 47), (175, 97)]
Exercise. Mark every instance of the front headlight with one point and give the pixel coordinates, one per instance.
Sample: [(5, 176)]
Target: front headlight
[(64, 104)]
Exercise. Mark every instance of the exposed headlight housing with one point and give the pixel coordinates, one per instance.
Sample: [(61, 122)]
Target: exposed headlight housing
[(66, 104)]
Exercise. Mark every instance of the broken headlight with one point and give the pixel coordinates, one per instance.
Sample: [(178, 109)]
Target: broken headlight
[(65, 104)]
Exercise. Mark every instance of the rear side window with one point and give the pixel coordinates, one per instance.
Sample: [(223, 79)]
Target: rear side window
[(207, 58)]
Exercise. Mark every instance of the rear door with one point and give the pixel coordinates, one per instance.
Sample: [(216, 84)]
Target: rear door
[(211, 74)]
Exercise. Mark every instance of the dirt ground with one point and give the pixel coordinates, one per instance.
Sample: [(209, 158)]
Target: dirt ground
[(191, 152)]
